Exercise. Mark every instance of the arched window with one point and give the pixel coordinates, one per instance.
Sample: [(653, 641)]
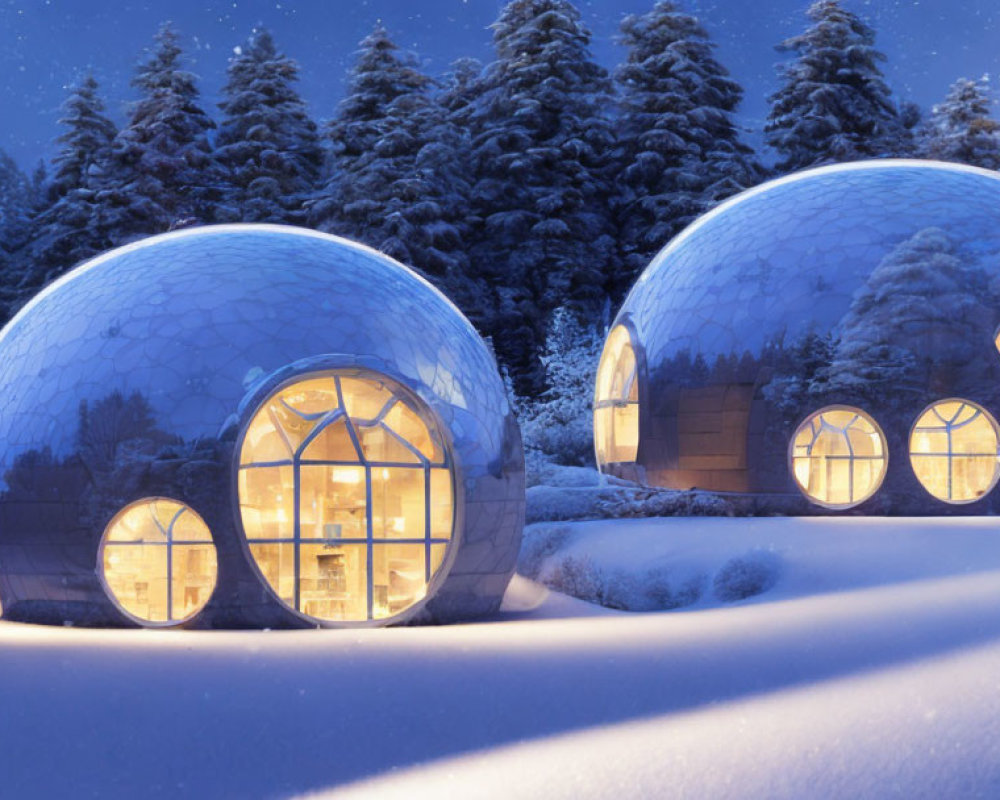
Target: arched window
[(345, 491), (616, 401), (838, 457), (158, 561), (953, 451)]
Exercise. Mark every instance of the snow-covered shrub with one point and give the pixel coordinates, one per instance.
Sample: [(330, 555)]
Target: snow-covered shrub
[(557, 503), (661, 593), (653, 590), (747, 576), (559, 424), (636, 501), (539, 542), (577, 577)]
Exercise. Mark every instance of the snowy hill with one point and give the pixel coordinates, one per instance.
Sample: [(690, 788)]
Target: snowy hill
[(868, 669)]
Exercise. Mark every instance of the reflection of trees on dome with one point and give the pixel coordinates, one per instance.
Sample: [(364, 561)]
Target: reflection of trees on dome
[(919, 320), (121, 454), (115, 422)]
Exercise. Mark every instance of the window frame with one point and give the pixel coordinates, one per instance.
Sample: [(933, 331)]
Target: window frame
[(599, 404), (169, 545), (399, 392), (877, 485), (950, 456)]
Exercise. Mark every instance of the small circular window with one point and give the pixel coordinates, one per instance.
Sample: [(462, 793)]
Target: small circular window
[(838, 457), (953, 451), (158, 561), (345, 491)]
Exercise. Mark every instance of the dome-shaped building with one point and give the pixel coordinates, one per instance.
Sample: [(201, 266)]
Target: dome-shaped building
[(254, 425), (829, 336)]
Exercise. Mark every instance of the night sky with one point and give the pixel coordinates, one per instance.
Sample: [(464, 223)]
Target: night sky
[(46, 44)]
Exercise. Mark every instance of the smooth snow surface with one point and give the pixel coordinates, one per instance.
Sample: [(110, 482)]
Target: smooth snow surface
[(870, 669)]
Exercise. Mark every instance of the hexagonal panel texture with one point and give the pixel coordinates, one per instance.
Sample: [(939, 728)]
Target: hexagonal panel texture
[(133, 375), (874, 285)]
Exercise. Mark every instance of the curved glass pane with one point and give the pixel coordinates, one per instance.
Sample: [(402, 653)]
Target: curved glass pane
[(158, 561), (354, 523), (616, 401), (838, 457), (953, 451)]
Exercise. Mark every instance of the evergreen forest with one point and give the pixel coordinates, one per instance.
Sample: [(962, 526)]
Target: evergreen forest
[(531, 190)]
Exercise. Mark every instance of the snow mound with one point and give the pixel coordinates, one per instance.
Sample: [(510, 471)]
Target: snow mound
[(571, 493)]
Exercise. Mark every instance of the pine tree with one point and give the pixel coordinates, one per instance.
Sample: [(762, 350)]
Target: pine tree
[(962, 129), (85, 145), (39, 187), (15, 220), (559, 424), (267, 144), (835, 104), (541, 161), (377, 78), (397, 182), (15, 204), (680, 148), (65, 229), (162, 173)]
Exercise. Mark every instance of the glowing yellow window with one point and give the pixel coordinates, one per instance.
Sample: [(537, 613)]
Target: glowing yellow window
[(953, 451), (616, 401), (158, 561), (352, 520), (838, 457)]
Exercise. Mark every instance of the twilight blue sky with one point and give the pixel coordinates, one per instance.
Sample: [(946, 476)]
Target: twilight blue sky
[(46, 44)]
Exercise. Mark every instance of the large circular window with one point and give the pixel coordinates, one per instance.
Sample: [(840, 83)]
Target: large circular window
[(345, 491), (158, 561), (838, 457), (616, 401), (953, 450)]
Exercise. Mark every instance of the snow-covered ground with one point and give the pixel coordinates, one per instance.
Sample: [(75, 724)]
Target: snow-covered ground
[(869, 668)]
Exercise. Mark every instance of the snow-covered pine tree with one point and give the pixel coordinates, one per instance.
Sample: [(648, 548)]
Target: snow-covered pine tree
[(398, 181), (834, 104), (15, 220), (377, 78), (267, 144), (461, 87), (39, 186), (680, 148), (65, 230), (961, 128), (162, 172), (559, 424), (541, 152), (86, 142), (15, 204)]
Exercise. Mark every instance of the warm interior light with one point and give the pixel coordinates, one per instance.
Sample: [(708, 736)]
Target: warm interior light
[(616, 401), (838, 456), (346, 475), (368, 543), (158, 561), (954, 449)]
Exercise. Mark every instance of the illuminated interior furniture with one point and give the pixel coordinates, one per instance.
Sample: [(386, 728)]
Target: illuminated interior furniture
[(868, 285), (158, 561), (374, 514), (838, 457), (337, 425), (954, 450)]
